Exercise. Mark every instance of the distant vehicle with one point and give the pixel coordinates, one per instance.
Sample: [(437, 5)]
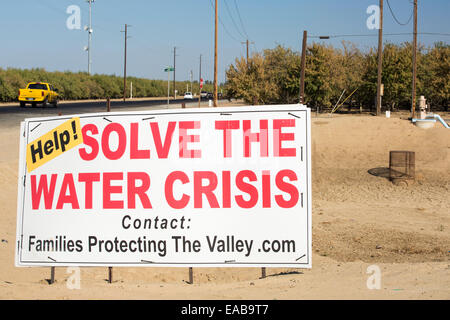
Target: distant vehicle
[(203, 94), (38, 92), (210, 95), (188, 95)]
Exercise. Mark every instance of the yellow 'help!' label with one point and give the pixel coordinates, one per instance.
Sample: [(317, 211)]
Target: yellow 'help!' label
[(54, 143)]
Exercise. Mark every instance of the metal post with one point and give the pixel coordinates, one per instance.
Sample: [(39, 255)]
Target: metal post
[(52, 269), (263, 273), (90, 37), (191, 275), (110, 274), (108, 104), (52, 275), (303, 64)]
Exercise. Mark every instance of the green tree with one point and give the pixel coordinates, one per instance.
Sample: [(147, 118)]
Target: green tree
[(434, 75)]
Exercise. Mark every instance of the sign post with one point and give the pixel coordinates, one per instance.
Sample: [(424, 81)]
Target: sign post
[(215, 187), (168, 69)]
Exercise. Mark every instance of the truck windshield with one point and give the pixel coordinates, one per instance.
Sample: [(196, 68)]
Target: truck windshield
[(38, 86)]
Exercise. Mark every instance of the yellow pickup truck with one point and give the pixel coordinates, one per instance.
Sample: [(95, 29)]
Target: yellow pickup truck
[(38, 92)]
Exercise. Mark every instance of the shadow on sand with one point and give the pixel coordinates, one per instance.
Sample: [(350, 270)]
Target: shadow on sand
[(380, 172)]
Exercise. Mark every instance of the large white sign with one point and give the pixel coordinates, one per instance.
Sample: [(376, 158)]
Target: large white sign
[(190, 187)]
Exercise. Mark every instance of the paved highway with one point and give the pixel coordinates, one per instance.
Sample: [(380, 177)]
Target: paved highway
[(13, 114)]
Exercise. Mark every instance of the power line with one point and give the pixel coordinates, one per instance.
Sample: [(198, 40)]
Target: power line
[(232, 19), (224, 28), (243, 48), (57, 10), (375, 35), (144, 44), (395, 18), (240, 19), (434, 33), (94, 25), (254, 47)]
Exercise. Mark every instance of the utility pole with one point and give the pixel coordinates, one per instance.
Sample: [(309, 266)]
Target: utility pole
[(125, 65), (199, 82), (89, 30), (247, 51), (380, 59), (302, 67), (247, 43), (413, 107), (215, 56), (174, 68)]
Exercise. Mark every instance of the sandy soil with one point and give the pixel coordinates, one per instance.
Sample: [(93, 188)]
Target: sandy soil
[(359, 219)]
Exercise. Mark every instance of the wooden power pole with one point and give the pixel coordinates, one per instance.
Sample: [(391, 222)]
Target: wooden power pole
[(247, 43), (302, 67), (414, 56), (215, 56), (380, 59)]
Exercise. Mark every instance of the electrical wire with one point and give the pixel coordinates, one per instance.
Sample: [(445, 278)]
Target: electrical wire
[(51, 7), (224, 28), (240, 19), (254, 47), (434, 33), (376, 35), (395, 18), (232, 19)]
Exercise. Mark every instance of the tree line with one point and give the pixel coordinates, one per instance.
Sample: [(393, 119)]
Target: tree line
[(272, 76), (80, 85)]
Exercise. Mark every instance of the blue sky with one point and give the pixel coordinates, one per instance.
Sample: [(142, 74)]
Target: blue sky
[(34, 32)]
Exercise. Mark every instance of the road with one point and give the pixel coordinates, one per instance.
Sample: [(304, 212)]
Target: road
[(14, 114)]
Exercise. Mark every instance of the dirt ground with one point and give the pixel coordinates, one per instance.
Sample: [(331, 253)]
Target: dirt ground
[(360, 219)]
